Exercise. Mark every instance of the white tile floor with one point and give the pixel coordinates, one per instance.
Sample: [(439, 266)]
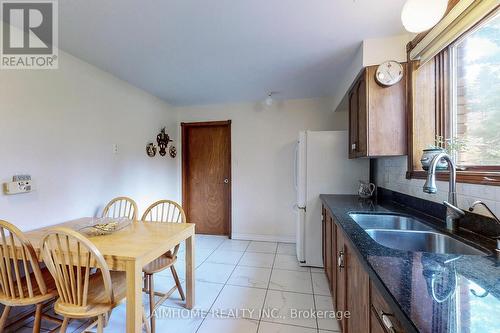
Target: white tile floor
[(236, 283)]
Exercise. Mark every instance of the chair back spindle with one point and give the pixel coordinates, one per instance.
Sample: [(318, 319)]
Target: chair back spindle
[(165, 211), (121, 207), (70, 258), (20, 273)]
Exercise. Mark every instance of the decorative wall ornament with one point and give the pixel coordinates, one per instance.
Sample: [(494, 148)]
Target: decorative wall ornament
[(172, 151), (151, 149), (163, 139)]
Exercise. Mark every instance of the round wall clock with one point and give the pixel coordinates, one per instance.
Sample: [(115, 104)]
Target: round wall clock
[(389, 73)]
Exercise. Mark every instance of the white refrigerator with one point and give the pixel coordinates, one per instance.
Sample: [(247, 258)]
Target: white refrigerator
[(321, 166)]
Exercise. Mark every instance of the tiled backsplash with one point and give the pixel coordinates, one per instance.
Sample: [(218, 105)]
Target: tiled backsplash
[(391, 174)]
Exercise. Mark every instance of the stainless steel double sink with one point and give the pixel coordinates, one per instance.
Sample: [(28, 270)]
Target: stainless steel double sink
[(408, 234)]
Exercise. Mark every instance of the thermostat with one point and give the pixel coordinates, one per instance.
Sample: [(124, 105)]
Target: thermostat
[(18, 185)]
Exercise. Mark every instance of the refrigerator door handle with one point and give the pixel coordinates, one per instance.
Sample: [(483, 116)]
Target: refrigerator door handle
[(295, 167)]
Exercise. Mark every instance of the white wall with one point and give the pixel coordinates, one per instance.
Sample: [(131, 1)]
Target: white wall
[(263, 141), (391, 174), (60, 127), (378, 50), (350, 73)]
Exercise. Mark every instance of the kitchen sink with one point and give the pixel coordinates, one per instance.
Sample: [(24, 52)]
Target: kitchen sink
[(422, 241), (388, 221)]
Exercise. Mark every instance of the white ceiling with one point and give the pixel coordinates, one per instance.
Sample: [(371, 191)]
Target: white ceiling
[(201, 52)]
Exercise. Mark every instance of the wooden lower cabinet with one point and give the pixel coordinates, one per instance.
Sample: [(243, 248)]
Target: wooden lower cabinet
[(382, 318), (330, 251), (358, 290), (328, 222), (351, 287), (340, 283)]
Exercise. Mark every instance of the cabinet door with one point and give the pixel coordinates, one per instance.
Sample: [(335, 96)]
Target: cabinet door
[(341, 284), (328, 245), (382, 316), (358, 293), (333, 253), (353, 121), (362, 125), (376, 325), (323, 234), (387, 116)]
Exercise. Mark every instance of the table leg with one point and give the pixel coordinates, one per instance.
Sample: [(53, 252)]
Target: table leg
[(134, 297), (190, 268)]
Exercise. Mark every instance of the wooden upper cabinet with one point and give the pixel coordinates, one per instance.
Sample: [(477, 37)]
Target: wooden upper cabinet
[(377, 117), (353, 121)]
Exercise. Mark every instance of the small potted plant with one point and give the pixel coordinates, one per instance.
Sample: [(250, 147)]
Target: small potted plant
[(441, 145)]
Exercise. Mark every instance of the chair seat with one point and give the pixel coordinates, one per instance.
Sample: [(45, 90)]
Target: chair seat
[(97, 303), (159, 264), (38, 297)]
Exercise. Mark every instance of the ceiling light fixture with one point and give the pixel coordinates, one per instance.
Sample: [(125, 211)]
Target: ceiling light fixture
[(269, 99), (421, 15)]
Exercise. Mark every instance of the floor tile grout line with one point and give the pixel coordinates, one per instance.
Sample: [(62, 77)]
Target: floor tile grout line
[(225, 283), (295, 325), (196, 267), (314, 301), (273, 268), (267, 289), (206, 313)]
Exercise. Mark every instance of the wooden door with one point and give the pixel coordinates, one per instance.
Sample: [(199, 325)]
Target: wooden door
[(358, 293), (206, 176)]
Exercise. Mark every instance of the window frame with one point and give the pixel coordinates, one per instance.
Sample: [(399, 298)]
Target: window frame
[(453, 93), (444, 112)]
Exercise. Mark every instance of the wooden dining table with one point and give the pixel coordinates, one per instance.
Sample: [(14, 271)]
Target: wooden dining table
[(132, 247)]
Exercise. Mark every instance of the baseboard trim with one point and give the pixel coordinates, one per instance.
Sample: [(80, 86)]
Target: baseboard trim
[(264, 238)]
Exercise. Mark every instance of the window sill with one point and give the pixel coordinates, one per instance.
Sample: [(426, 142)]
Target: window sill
[(469, 177)]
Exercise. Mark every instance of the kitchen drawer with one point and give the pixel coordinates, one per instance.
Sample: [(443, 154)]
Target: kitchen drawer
[(382, 317)]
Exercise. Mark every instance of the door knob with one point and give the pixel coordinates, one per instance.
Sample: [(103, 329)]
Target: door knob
[(226, 181)]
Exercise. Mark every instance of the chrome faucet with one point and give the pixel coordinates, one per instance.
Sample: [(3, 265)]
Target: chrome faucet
[(453, 213), (471, 209)]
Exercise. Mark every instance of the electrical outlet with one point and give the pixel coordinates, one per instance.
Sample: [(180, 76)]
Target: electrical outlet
[(115, 148)]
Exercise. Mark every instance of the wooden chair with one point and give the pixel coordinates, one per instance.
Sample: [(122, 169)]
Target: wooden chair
[(121, 207), (87, 288), (162, 211), (22, 281)]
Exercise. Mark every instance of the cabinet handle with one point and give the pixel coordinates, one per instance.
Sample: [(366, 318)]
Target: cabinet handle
[(341, 260), (387, 322)]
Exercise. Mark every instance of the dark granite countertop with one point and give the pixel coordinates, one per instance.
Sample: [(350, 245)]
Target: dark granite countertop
[(432, 293)]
